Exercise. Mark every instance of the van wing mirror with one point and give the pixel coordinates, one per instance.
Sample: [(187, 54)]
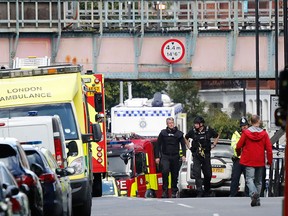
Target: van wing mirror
[(72, 148), (95, 136), (96, 132), (126, 157), (98, 101)]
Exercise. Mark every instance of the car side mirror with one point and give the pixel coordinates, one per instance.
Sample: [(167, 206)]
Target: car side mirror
[(67, 171), (11, 190), (37, 169), (24, 188), (70, 171)]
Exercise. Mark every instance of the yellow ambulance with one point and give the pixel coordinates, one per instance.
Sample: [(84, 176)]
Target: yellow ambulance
[(56, 90)]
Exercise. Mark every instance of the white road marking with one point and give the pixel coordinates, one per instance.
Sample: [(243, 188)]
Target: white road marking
[(216, 214), (168, 201), (187, 206)]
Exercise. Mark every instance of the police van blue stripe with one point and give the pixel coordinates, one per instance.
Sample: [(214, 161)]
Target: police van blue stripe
[(146, 113)]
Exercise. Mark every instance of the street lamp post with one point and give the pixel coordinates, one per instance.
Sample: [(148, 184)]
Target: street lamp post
[(257, 55), (276, 48)]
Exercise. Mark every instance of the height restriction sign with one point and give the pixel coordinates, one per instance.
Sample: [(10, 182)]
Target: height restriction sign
[(173, 50)]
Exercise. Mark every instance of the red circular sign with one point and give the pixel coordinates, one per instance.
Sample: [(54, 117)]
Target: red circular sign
[(173, 50)]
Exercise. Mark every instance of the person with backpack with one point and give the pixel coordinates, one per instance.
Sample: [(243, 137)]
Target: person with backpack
[(201, 146)]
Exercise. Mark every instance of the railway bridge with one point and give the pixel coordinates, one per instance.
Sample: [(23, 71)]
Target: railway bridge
[(124, 40)]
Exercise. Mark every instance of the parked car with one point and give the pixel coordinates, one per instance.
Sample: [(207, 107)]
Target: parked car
[(15, 159), (54, 180), (19, 199), (5, 203), (221, 162), (109, 187)]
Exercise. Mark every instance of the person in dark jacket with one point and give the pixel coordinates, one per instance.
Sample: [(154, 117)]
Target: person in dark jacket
[(252, 146), (201, 146), (167, 152)]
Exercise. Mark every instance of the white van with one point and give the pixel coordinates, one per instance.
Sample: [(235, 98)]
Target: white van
[(39, 130)]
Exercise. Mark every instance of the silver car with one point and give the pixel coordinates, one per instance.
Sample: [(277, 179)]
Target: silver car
[(221, 161), (19, 200)]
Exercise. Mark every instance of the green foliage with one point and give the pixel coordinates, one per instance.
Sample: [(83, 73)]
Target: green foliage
[(112, 94), (140, 89), (222, 123), (186, 93)]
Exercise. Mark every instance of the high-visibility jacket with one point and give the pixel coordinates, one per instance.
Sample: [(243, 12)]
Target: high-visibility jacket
[(234, 140)]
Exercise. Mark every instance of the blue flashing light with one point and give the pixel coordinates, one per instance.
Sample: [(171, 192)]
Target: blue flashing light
[(31, 143), (120, 142), (32, 113)]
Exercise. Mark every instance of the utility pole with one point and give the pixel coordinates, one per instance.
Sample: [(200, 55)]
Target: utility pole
[(257, 56)]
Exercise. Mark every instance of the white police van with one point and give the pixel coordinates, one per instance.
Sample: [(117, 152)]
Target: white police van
[(39, 130)]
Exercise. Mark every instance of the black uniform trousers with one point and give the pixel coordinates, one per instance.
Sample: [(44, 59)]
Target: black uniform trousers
[(237, 170), (170, 163), (204, 164)]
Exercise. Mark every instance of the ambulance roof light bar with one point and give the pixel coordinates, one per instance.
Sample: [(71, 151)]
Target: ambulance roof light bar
[(31, 61), (38, 71)]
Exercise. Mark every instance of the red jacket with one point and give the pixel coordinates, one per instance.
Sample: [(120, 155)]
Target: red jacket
[(252, 146)]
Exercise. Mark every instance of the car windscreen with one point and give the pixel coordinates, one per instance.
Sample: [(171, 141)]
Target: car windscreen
[(6, 177), (9, 157), (117, 167), (63, 110), (222, 150)]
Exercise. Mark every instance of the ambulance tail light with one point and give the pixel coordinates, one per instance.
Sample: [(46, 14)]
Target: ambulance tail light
[(58, 152), (2, 124)]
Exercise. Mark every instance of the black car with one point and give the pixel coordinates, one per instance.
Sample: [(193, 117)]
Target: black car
[(15, 159), (54, 180)]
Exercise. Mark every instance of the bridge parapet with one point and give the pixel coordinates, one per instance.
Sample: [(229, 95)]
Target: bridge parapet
[(135, 16)]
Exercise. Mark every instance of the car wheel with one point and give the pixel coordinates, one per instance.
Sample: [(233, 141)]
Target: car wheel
[(182, 194), (97, 185), (85, 209)]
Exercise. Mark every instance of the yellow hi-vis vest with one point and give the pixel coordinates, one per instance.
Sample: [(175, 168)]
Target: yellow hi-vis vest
[(234, 140)]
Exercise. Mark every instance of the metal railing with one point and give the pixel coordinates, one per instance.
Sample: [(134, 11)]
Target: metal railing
[(137, 15)]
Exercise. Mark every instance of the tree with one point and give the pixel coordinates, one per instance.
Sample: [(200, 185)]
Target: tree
[(186, 93), (221, 122), (140, 89)]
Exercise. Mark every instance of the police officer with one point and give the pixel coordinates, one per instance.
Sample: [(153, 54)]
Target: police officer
[(168, 148), (237, 169), (201, 146)]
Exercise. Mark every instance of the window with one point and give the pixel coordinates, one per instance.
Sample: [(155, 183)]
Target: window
[(140, 161), (63, 110)]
